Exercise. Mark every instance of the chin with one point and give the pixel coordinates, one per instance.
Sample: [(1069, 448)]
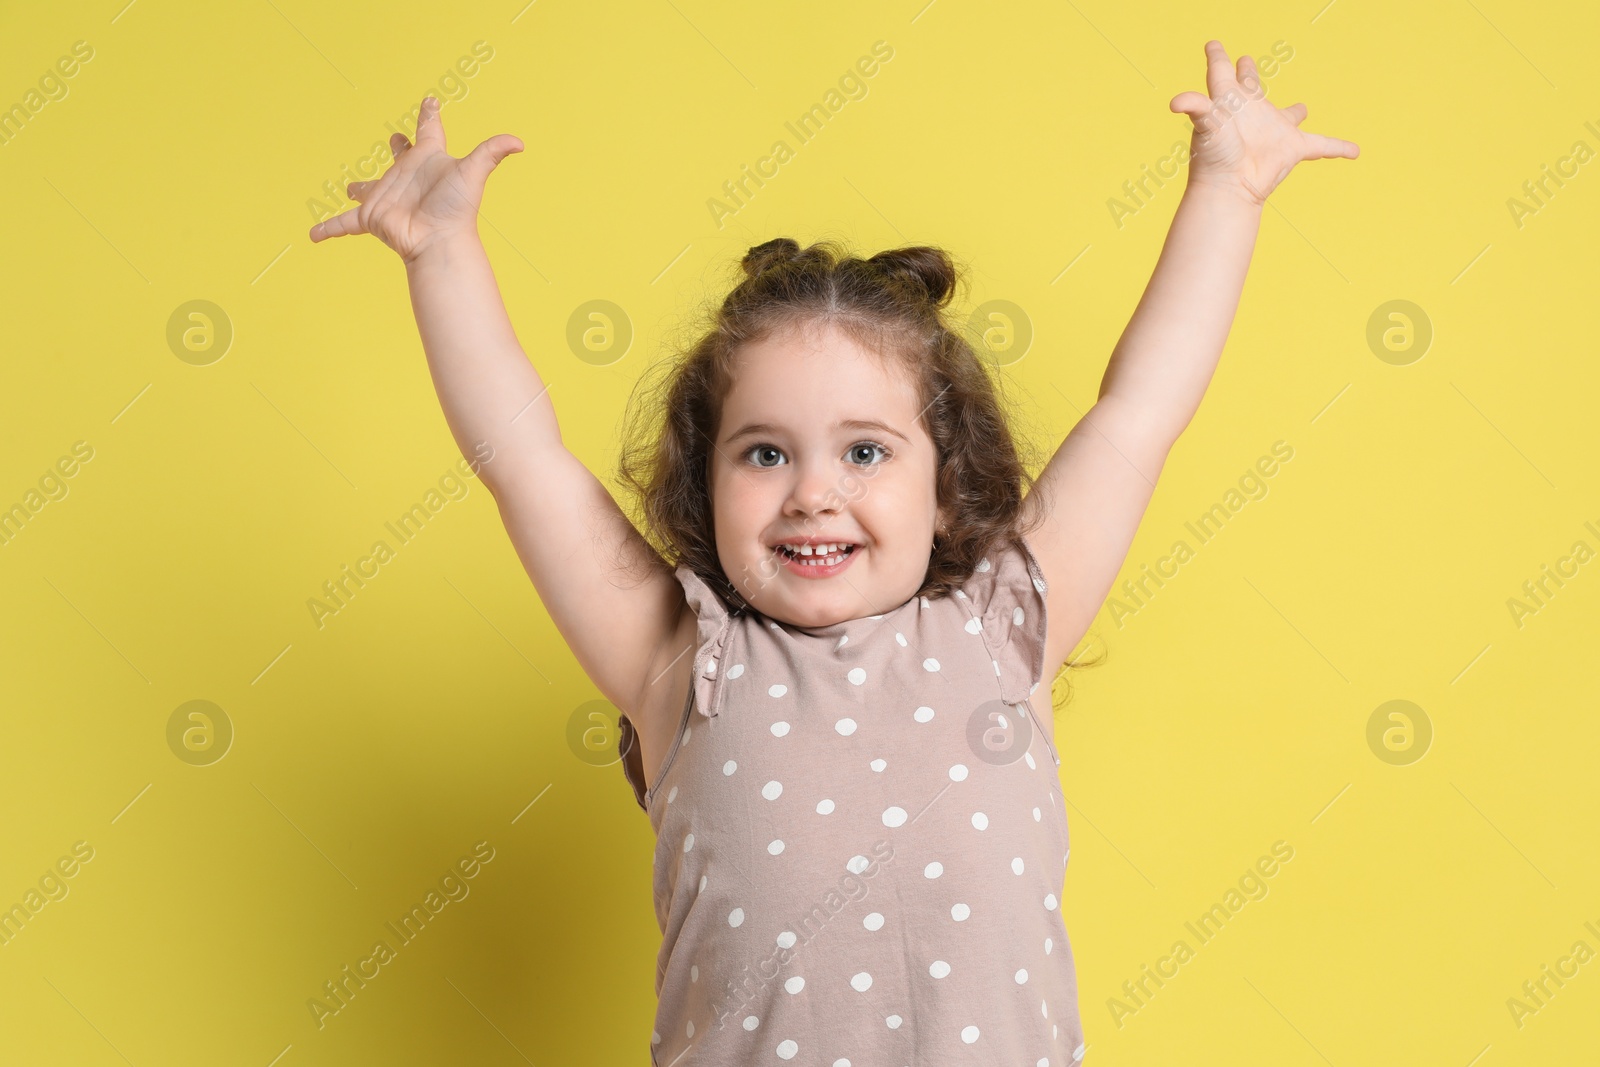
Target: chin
[(802, 610)]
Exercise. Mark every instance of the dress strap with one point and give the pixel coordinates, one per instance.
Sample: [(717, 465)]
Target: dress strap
[(1006, 599), (714, 625)]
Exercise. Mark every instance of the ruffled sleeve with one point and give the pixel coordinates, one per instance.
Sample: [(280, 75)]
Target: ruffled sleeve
[(714, 627), (1005, 599)]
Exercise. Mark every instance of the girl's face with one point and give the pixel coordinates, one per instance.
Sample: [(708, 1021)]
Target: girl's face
[(822, 441)]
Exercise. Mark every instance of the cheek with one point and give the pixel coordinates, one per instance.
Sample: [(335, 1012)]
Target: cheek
[(737, 503), (892, 506)]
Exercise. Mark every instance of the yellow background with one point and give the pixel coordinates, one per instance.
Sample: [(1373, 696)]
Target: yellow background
[(433, 710)]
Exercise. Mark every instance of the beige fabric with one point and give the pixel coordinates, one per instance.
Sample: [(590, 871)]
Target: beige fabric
[(859, 848)]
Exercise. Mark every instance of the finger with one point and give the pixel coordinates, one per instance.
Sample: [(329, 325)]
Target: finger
[(359, 191), (483, 159), (1319, 147), (1195, 105), (1296, 113), (340, 225), (398, 143), (1219, 70), (429, 130), (1249, 78)]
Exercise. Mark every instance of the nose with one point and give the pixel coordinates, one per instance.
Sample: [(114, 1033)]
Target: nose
[(813, 495)]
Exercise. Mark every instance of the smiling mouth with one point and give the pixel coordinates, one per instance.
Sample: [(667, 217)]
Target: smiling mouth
[(806, 556)]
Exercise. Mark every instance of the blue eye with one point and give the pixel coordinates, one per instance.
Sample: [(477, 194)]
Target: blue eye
[(763, 449), (856, 448)]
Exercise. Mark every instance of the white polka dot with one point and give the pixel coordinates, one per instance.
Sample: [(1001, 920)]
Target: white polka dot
[(877, 765), (861, 982), (1049, 902), (1037, 584), (1047, 944), (960, 912), (958, 773), (694, 972), (857, 864), (1016, 617), (687, 730), (980, 821), (1028, 756), (655, 1038), (974, 626), (780, 729), (825, 807), (786, 939), (933, 870), (688, 842), (873, 921), (922, 714), (924, 601), (843, 640), (711, 667), (777, 690), (735, 670), (689, 1030), (1036, 815), (672, 794), (1016, 865), (894, 816), (1044, 1009), (786, 1049), (701, 887), (983, 565), (930, 664), (774, 848), (729, 767), (969, 1034), (1021, 977), (857, 675), (845, 726), (844, 1063), (1077, 1053), (960, 594), (1044, 1061), (939, 968), (736, 917), (751, 1022), (772, 790), (795, 984), (893, 1021)]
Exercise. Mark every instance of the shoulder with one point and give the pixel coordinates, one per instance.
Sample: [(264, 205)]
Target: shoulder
[(1005, 599), (1006, 570)]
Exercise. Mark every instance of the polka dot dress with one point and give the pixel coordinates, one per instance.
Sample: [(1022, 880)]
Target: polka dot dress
[(861, 840)]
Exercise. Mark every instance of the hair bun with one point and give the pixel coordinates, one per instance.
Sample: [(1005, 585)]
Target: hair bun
[(770, 254), (927, 269)]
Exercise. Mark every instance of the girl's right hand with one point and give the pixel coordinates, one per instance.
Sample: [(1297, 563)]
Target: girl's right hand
[(425, 195)]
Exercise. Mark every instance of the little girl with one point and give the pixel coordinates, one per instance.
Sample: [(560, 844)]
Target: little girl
[(826, 654)]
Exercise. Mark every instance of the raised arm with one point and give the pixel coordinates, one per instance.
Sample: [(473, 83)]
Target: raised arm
[(610, 595), (1095, 489)]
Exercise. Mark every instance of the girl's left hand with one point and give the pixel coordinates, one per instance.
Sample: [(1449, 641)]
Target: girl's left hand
[(1242, 141)]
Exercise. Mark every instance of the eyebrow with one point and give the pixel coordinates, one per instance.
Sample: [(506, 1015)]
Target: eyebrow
[(756, 428)]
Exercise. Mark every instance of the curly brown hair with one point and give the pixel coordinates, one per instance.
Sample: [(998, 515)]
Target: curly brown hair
[(893, 304)]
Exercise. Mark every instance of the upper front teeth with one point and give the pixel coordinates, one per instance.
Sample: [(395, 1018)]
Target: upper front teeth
[(817, 550)]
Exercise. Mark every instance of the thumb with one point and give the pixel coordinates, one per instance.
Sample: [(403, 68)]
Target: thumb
[(483, 159), (1195, 105)]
